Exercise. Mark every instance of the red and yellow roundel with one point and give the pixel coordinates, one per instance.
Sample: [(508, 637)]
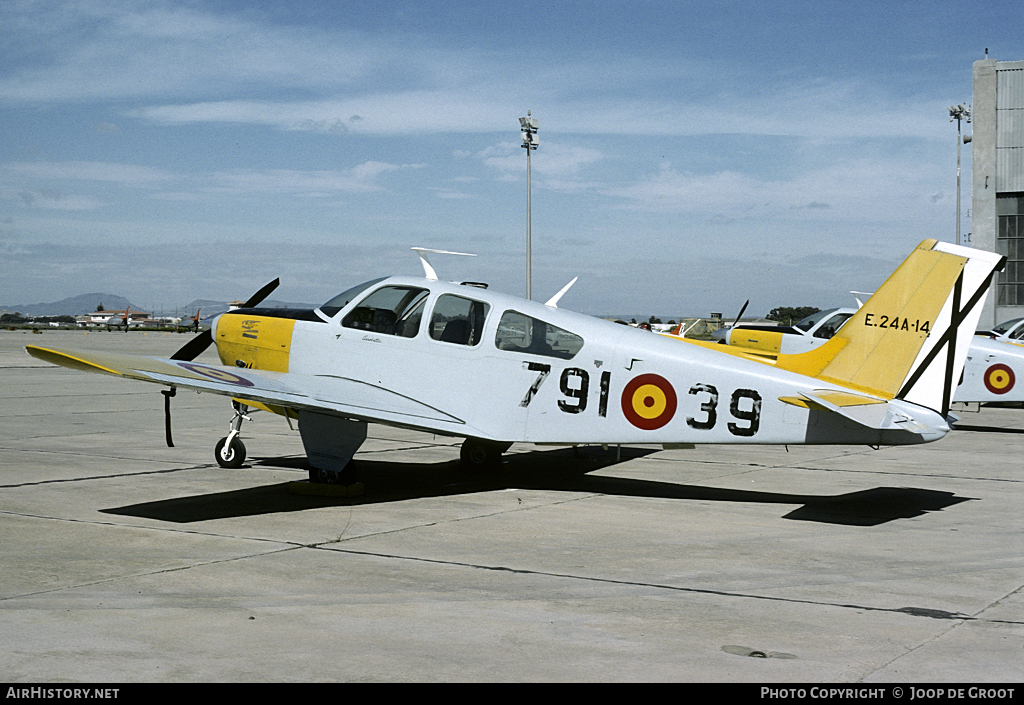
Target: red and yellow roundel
[(999, 379), (649, 402)]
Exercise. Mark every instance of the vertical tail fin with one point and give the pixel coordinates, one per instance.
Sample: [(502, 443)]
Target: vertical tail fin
[(910, 340)]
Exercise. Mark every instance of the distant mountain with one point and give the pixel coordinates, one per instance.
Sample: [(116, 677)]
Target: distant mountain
[(73, 306), (87, 303)]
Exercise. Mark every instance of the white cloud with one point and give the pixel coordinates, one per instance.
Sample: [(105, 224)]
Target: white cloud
[(487, 108), (195, 66), (557, 160), (360, 178), (125, 174), (95, 50), (851, 189), (53, 200), (410, 112)]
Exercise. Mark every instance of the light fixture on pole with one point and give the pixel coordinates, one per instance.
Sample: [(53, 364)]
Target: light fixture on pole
[(959, 113), (529, 126)]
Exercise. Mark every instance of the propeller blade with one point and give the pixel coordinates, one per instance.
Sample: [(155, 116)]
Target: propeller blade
[(263, 293), (195, 347), (740, 315)]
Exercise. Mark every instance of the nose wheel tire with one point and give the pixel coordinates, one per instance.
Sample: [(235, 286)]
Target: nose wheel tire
[(231, 457)]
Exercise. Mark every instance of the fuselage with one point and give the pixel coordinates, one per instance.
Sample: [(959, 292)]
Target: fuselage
[(469, 362)]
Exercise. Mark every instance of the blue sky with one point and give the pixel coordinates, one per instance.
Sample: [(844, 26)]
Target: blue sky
[(692, 155)]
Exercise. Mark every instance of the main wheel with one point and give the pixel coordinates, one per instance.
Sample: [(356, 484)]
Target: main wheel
[(478, 454), (331, 477), (233, 457)]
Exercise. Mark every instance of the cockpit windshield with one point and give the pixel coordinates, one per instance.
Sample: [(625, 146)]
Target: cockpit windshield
[(1004, 328), (805, 324), (331, 308), (831, 325)]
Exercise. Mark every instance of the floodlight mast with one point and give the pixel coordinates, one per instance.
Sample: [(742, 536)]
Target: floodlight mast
[(959, 113), (528, 126)]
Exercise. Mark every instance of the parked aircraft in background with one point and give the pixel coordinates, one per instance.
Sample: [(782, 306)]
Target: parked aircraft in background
[(1011, 331), (994, 361), (124, 319), (190, 323), (802, 336), (463, 361)]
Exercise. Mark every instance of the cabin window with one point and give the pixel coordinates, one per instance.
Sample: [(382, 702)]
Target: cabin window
[(458, 320), (391, 310), (520, 333)]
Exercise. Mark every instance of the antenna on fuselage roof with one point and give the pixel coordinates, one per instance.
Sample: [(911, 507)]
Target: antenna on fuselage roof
[(428, 271), (858, 294), (553, 301)]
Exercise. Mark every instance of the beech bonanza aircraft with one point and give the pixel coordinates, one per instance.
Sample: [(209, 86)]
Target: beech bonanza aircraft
[(994, 359), (462, 361)]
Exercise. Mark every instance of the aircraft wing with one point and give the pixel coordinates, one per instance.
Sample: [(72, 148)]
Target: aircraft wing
[(314, 393)]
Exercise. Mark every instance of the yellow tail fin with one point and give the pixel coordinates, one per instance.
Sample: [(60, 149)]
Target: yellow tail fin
[(910, 340)]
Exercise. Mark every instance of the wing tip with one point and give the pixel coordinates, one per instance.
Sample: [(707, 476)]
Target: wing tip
[(69, 359)]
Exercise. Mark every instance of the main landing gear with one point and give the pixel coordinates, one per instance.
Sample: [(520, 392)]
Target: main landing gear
[(478, 454), (230, 451)]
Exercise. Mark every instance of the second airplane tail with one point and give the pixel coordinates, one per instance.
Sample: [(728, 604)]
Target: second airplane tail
[(909, 341)]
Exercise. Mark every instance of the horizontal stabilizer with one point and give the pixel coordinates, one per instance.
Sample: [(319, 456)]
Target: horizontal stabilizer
[(872, 412)]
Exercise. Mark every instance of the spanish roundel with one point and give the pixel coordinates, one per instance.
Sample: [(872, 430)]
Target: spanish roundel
[(999, 379), (649, 401)]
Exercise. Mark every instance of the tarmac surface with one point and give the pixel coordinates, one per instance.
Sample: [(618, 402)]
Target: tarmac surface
[(124, 560)]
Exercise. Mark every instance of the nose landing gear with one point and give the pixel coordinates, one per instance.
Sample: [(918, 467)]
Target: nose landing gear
[(230, 451)]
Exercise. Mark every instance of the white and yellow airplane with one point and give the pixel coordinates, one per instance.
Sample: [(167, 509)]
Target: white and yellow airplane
[(463, 361), (994, 360), (1011, 331)]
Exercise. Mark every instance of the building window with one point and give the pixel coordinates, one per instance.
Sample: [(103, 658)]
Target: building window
[(1010, 242)]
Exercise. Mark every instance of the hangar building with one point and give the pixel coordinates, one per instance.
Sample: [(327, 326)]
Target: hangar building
[(997, 150)]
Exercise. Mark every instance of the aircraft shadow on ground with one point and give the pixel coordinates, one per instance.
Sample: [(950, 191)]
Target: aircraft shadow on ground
[(552, 470), (987, 429)]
